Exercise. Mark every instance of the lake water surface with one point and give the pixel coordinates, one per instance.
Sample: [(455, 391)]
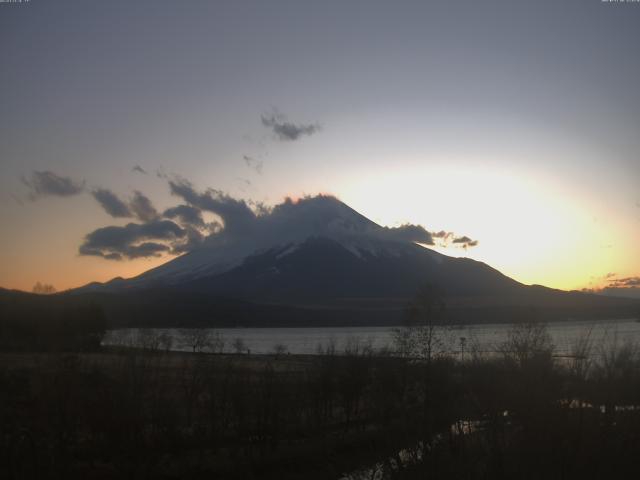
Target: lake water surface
[(482, 338)]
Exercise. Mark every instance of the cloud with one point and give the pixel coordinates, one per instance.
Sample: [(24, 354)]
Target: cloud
[(419, 234), (191, 220), (253, 164), (292, 219), (185, 214), (628, 287), (142, 207), (465, 242), (133, 240), (444, 236), (624, 282), (139, 206), (236, 215), (139, 169), (194, 239), (412, 233), (47, 183), (247, 227), (445, 239), (285, 130), (111, 203)]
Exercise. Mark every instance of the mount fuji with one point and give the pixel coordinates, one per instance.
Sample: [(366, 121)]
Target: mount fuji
[(318, 261)]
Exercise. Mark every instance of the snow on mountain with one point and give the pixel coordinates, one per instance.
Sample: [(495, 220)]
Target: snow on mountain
[(287, 226)]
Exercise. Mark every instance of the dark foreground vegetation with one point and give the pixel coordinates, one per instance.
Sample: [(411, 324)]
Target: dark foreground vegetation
[(147, 413), (71, 409)]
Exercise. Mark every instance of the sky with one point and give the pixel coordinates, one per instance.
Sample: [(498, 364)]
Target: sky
[(513, 123)]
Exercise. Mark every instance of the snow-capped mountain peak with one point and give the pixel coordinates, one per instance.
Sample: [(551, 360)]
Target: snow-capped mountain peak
[(287, 225)]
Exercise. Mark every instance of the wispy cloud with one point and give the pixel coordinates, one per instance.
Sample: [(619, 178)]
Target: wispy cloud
[(412, 233), (253, 164), (628, 287), (446, 239), (111, 203), (139, 206), (46, 183), (285, 130), (625, 282), (139, 169), (142, 207), (465, 242)]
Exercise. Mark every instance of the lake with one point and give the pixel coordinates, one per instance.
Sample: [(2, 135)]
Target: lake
[(481, 338)]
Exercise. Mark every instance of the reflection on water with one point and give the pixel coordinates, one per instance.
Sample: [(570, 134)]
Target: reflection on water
[(479, 338), (411, 456)]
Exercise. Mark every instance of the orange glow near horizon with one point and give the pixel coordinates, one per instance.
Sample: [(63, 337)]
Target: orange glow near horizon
[(527, 228)]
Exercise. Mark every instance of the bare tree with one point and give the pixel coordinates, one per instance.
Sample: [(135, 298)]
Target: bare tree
[(238, 345), (165, 341), (280, 349), (148, 339), (43, 288), (198, 339), (217, 343), (581, 360), (422, 335), (526, 343)]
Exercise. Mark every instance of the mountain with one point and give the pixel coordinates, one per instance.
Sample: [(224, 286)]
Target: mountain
[(321, 245), (286, 228), (317, 261)]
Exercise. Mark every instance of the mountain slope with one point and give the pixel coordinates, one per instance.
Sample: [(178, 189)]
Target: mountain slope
[(287, 225), (317, 261), (321, 270)]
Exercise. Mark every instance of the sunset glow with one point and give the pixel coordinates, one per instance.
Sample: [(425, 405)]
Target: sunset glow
[(530, 149)]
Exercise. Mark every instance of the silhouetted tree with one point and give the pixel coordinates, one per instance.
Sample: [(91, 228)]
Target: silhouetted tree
[(238, 345), (198, 339), (422, 335), (43, 288)]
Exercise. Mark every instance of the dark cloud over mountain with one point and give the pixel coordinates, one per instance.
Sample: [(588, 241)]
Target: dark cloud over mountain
[(465, 242), (247, 225), (133, 240), (412, 233), (444, 236), (236, 215), (186, 214)]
